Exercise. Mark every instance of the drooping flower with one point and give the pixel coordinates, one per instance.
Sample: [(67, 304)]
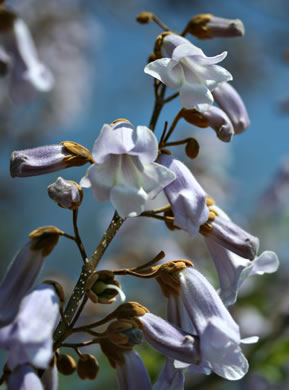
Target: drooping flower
[(124, 171), (28, 338), (233, 270), (231, 102), (27, 74), (199, 310), (190, 70), (23, 271), (24, 377), (186, 196)]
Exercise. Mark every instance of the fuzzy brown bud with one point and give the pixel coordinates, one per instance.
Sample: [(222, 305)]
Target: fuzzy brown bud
[(192, 148), (87, 367), (144, 17), (65, 364)]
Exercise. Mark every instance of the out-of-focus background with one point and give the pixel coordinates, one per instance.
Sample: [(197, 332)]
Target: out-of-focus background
[(97, 52)]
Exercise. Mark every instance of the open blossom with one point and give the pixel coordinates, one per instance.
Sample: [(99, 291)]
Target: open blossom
[(195, 306), (124, 171), (190, 70), (186, 196), (27, 75)]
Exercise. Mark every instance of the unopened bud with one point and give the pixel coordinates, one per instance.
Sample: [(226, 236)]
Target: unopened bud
[(207, 26), (65, 364), (66, 193), (220, 122), (87, 367), (47, 159), (45, 238), (102, 287), (192, 148), (125, 333), (232, 104), (195, 117), (144, 17)]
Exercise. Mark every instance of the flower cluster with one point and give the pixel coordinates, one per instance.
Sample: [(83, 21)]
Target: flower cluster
[(130, 167)]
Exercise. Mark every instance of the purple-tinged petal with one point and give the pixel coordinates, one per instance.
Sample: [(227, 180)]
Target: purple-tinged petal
[(132, 374), (266, 263), (171, 41), (186, 196), (220, 122), (186, 50), (196, 96), (31, 333), (231, 102), (155, 177), (146, 145), (24, 378), (204, 60), (225, 28), (128, 201), (170, 378), (169, 340), (168, 71), (20, 277), (231, 236), (117, 140), (222, 350)]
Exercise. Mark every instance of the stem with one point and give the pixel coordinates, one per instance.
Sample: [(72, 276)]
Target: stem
[(79, 311), (77, 237), (173, 125), (157, 107), (175, 143), (170, 98), (161, 24), (87, 269)]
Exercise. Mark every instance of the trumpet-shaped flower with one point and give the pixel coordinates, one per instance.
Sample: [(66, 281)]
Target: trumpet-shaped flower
[(124, 171), (28, 338), (190, 70), (233, 270), (186, 196)]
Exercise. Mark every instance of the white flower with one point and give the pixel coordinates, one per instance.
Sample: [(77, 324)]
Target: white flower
[(189, 70), (124, 171)]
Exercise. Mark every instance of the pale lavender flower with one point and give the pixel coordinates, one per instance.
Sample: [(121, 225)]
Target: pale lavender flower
[(186, 196), (24, 377), (199, 309), (231, 236), (28, 338), (28, 74), (231, 102), (132, 373), (50, 378), (22, 274), (220, 122), (67, 193), (233, 270), (46, 159), (124, 171), (189, 70)]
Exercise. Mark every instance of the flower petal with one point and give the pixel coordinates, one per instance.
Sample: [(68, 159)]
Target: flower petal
[(266, 263), (24, 378), (170, 378), (146, 145), (168, 71), (186, 50), (196, 96), (128, 201), (155, 177), (132, 374)]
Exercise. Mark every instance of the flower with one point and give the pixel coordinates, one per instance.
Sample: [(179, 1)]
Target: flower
[(28, 338), (189, 70), (24, 270), (24, 377), (233, 270), (170, 378), (27, 75), (186, 196), (232, 104), (198, 309), (47, 159), (124, 171)]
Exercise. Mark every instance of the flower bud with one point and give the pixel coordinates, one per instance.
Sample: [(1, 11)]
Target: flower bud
[(144, 17), (192, 148), (47, 159), (87, 367), (65, 364), (66, 193), (207, 26), (124, 333), (232, 104), (102, 288)]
